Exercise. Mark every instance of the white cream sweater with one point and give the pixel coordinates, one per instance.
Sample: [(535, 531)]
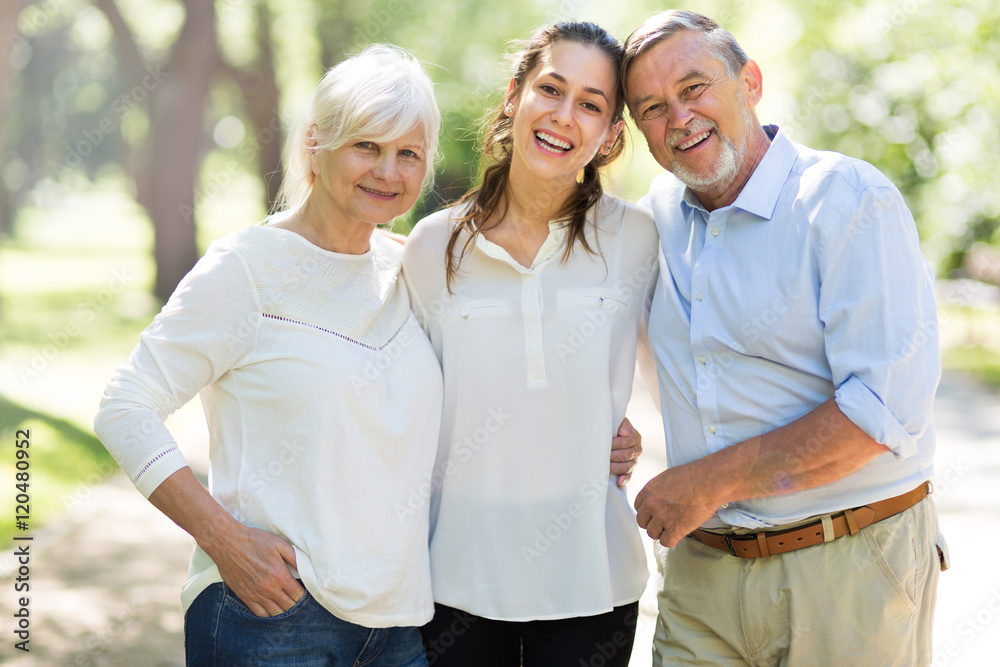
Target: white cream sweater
[(323, 401)]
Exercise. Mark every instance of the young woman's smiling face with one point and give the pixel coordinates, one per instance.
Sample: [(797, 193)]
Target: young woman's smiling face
[(563, 111)]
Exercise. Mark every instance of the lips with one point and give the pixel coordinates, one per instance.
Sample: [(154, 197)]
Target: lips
[(379, 193), (552, 143), (693, 140)]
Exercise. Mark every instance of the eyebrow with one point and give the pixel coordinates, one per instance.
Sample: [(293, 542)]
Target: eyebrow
[(692, 74), (595, 91)]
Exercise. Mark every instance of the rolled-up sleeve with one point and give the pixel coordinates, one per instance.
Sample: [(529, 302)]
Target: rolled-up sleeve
[(879, 319), (209, 324)]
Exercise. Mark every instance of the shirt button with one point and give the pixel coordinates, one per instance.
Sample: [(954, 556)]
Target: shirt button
[(600, 299), (699, 296), (711, 429), (702, 360), (465, 314), (715, 231)]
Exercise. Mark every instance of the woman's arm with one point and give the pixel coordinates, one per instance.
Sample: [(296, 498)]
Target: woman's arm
[(252, 562), (205, 330)]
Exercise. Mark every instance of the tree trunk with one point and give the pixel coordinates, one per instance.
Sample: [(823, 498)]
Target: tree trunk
[(260, 93), (337, 31), (12, 39), (176, 143), (167, 165)]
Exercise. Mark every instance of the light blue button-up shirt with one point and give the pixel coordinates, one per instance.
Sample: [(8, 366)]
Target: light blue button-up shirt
[(810, 285)]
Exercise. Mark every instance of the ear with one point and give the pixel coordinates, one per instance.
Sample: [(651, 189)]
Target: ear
[(511, 97), (616, 129), (311, 144), (753, 83), (612, 137)]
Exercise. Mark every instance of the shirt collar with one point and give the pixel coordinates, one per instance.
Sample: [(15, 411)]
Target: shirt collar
[(558, 230), (760, 194)]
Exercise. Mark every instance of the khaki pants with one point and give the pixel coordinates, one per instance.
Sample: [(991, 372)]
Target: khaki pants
[(861, 600)]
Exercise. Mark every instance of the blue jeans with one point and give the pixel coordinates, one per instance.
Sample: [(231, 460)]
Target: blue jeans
[(220, 630)]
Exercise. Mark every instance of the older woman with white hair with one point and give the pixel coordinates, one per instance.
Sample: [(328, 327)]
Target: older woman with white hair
[(321, 392)]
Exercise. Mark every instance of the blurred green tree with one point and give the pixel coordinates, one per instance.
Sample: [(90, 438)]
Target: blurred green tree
[(140, 105), (913, 87), (182, 96), (8, 50), (151, 88)]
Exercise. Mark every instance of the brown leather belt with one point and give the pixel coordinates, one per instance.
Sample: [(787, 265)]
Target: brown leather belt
[(768, 543)]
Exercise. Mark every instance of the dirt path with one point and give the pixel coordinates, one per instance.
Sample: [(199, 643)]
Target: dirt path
[(106, 576)]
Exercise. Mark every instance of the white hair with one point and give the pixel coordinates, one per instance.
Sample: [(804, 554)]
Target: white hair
[(377, 95)]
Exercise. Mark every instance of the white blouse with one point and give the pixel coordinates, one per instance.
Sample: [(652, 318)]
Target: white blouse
[(322, 397), (538, 364)]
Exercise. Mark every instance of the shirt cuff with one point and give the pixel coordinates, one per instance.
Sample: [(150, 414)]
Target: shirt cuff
[(863, 407), (156, 471)]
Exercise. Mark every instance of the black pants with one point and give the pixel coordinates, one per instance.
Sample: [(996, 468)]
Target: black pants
[(455, 638)]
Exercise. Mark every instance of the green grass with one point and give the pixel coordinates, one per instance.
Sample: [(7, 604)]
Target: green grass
[(970, 342), (74, 295), (74, 288), (64, 462), (977, 360)]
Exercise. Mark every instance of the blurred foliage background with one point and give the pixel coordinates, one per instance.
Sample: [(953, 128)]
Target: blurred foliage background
[(179, 103), (133, 132)]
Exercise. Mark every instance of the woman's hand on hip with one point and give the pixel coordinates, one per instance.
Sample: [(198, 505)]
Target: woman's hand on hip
[(254, 564)]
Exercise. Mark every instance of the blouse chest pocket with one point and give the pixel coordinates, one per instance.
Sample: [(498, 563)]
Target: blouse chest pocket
[(588, 327), (470, 326), (475, 309), (607, 301), (589, 311)]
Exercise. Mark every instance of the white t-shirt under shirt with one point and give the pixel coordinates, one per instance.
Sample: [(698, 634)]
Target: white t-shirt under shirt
[(538, 365), (323, 398)]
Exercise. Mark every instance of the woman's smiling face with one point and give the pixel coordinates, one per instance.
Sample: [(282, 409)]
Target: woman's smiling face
[(563, 111), (370, 182)]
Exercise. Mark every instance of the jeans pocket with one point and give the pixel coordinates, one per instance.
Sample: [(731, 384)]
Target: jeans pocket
[(234, 603), (392, 647)]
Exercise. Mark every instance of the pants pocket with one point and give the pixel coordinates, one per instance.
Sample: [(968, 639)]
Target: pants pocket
[(894, 552), (233, 602)]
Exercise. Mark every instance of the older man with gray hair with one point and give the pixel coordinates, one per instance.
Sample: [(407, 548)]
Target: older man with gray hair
[(795, 338)]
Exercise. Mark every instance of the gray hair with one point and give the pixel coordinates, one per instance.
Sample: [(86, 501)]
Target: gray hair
[(377, 95), (662, 25)]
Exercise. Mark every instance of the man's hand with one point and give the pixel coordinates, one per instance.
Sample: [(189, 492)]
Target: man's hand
[(815, 449), (254, 564), (625, 450), (668, 507)]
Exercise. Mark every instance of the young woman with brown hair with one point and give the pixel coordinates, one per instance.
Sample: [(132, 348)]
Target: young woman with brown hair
[(532, 290)]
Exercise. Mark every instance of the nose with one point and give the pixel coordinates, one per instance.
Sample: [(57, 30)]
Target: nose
[(679, 115), (386, 168), (562, 114)]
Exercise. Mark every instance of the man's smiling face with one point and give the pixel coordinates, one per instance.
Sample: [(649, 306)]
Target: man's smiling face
[(696, 119)]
